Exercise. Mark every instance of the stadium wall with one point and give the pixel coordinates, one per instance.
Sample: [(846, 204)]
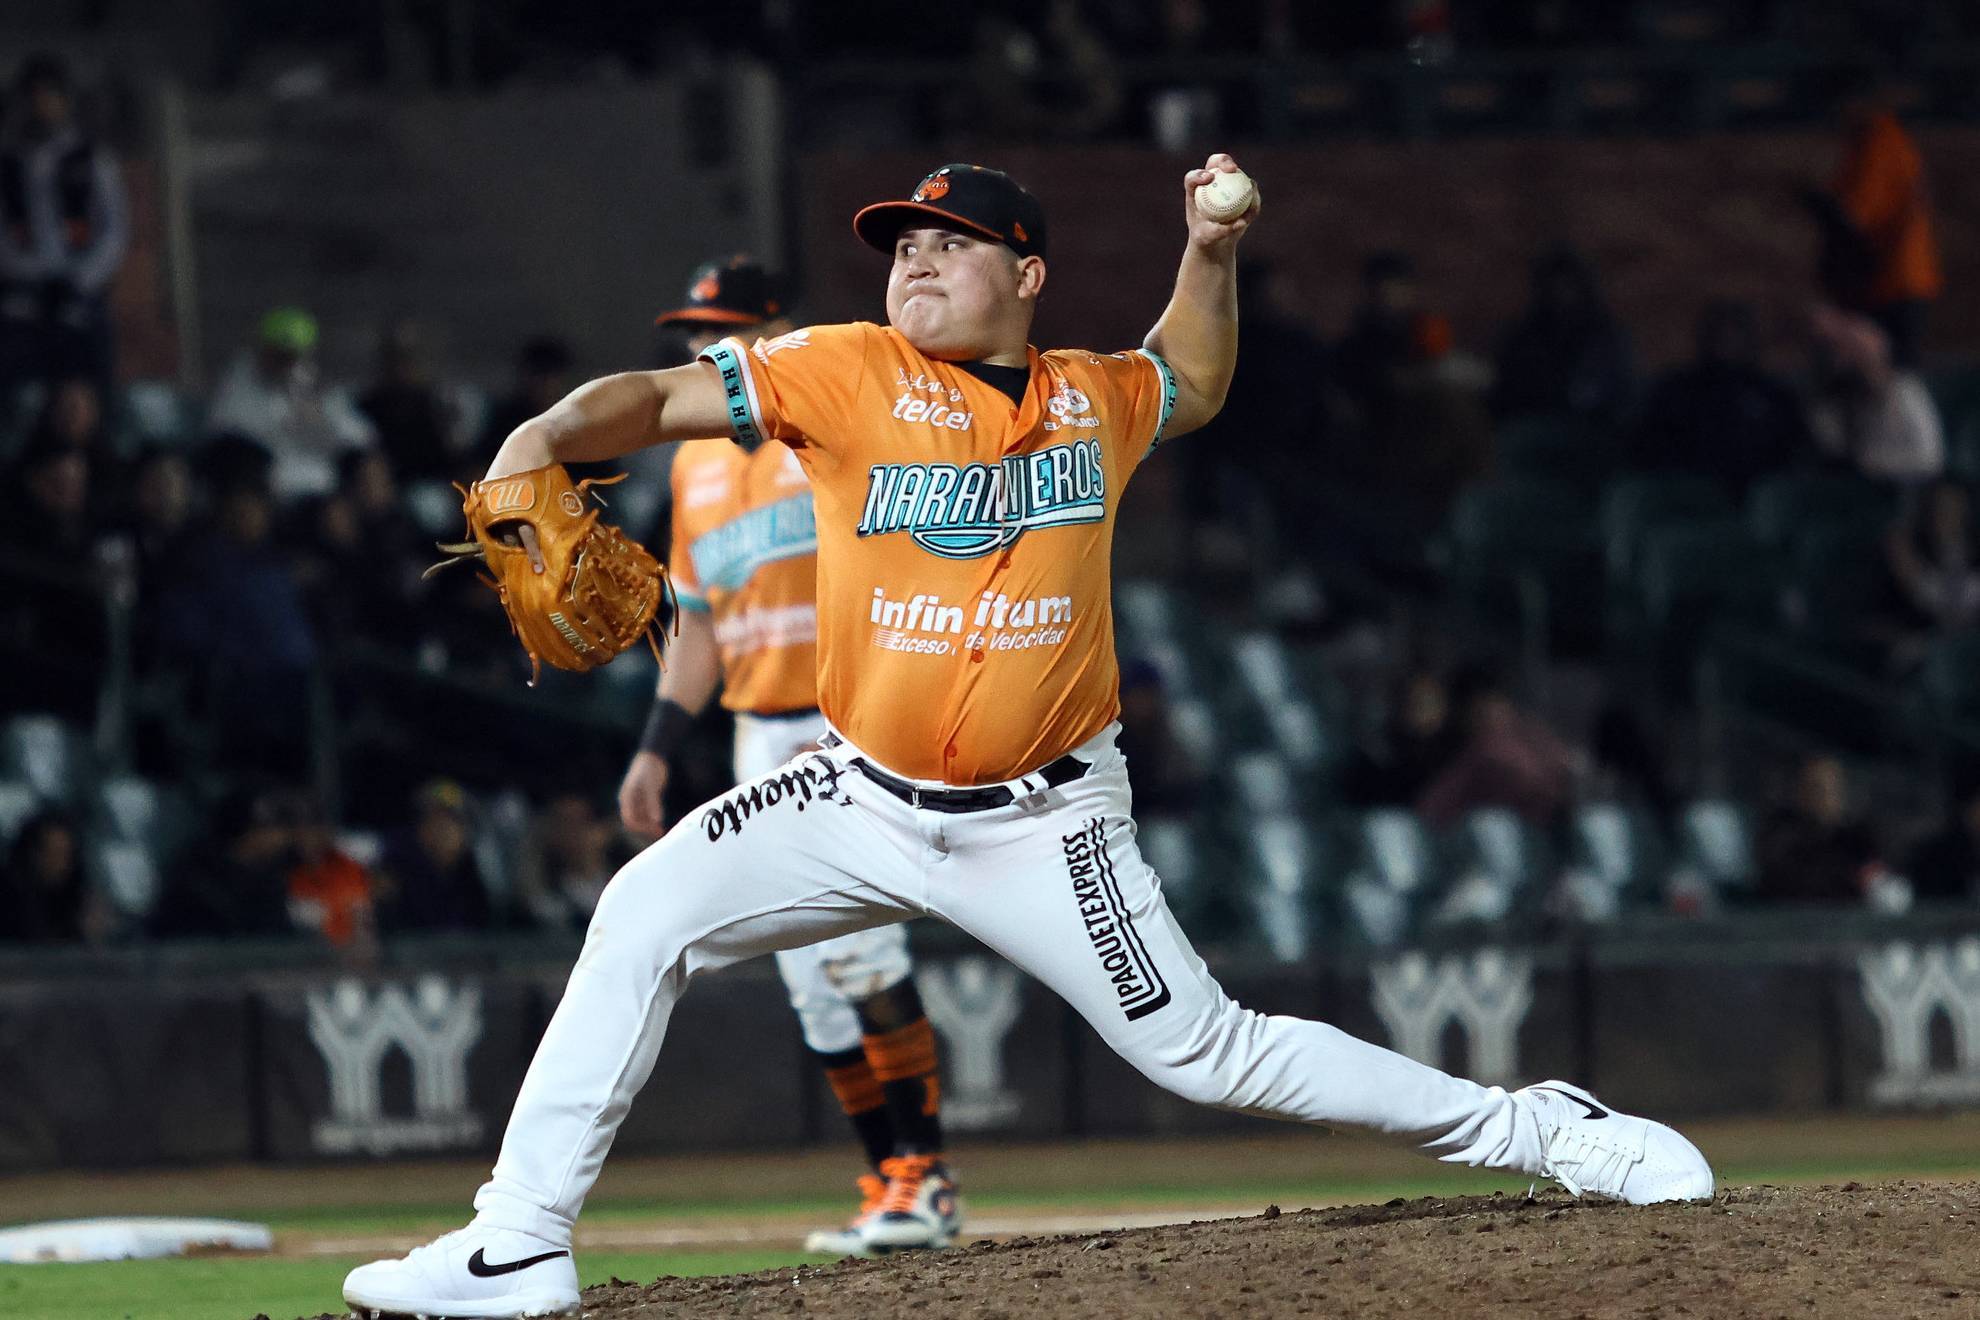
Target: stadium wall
[(147, 1063)]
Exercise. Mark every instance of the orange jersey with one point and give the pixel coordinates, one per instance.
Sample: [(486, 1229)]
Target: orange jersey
[(964, 544), (746, 550)]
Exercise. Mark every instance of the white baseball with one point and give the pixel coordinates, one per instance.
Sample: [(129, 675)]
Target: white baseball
[(1226, 196)]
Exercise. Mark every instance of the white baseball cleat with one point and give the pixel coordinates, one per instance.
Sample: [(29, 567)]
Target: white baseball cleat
[(1591, 1149), (473, 1273), (919, 1210), (848, 1241)]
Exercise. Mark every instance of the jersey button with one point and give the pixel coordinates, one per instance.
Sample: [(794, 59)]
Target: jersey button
[(976, 656), (949, 752)]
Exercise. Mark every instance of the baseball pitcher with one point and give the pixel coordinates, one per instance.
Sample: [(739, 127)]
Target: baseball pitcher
[(965, 487), (745, 571)]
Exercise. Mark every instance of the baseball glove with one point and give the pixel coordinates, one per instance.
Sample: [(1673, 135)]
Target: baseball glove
[(599, 591)]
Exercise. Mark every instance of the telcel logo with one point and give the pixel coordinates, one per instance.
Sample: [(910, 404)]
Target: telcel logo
[(910, 408)]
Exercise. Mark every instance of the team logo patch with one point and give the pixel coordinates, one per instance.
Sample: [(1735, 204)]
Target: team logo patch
[(1138, 984), (705, 289), (965, 512), (932, 188), (509, 496)]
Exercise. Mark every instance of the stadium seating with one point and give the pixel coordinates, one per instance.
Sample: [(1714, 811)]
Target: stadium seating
[(1634, 507), (1949, 679), (127, 874), (135, 810), (1622, 847), (1715, 842), (156, 413), (1694, 573), (1783, 509), (435, 507), (50, 756), (1287, 887), (18, 801)]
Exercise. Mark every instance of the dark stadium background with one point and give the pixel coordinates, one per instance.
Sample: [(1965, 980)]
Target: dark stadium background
[(1502, 680)]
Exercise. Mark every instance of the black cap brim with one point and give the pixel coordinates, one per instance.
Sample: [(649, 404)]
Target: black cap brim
[(880, 224)]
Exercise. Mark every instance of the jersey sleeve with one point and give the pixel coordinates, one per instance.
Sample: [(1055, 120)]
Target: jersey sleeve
[(801, 388), (680, 551), (1141, 390)]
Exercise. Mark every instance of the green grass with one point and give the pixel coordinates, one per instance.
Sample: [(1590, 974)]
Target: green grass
[(220, 1288)]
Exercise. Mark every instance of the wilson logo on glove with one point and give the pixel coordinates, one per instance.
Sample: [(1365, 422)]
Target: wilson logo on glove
[(599, 592)]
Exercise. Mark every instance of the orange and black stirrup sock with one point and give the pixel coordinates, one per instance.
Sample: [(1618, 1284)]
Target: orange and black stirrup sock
[(862, 1098), (900, 1047)]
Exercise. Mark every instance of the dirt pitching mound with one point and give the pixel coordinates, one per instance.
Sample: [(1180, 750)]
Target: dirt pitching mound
[(1883, 1249)]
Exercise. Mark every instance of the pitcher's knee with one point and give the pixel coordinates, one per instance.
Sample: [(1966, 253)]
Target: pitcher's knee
[(1205, 1063)]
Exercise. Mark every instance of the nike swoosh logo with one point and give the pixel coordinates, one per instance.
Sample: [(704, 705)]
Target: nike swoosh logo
[(1588, 1110), (479, 1267)]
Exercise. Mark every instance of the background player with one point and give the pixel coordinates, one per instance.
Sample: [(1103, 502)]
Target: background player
[(965, 487), (745, 566)]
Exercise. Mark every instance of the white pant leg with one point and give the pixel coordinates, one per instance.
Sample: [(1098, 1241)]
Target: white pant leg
[(1062, 891), (824, 980), (782, 860)]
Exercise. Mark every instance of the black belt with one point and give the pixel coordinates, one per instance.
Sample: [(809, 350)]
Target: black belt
[(958, 800), (801, 713)]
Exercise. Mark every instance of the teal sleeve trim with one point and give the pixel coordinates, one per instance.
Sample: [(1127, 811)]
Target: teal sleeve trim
[(1168, 394), (732, 360)]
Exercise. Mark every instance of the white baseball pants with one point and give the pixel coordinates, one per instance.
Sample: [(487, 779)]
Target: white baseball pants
[(1053, 882), (824, 980)]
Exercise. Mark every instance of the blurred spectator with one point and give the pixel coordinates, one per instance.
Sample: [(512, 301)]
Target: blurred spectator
[(55, 522), (51, 606), (63, 231), (44, 895), (272, 395), (1418, 739), (1945, 867), (1432, 433), (567, 862), (417, 425), (1508, 759), (1868, 413), (235, 881), (1043, 78), (1629, 761), (361, 555), (1934, 565), (232, 621), (329, 890), (72, 418), (1275, 418), (1813, 848), (1381, 337), (158, 512), (1721, 415), (1567, 354), (428, 879), (543, 376), (1166, 781), (1879, 256)]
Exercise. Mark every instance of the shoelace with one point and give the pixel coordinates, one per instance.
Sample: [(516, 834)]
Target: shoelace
[(1575, 1148), (905, 1174)]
